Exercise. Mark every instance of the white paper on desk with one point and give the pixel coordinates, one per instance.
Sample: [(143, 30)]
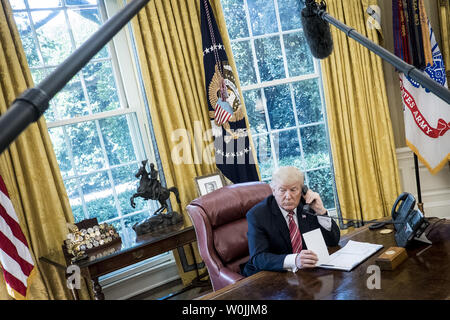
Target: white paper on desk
[(316, 243), (351, 255)]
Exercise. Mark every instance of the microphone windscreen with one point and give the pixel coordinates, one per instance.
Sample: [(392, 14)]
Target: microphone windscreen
[(317, 33)]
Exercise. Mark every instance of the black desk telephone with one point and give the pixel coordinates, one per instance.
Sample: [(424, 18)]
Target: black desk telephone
[(411, 223)]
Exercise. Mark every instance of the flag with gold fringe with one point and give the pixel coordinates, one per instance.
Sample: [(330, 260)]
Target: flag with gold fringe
[(426, 116), (15, 258)]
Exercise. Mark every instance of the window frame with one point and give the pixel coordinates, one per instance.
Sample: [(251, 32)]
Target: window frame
[(132, 106), (290, 81)]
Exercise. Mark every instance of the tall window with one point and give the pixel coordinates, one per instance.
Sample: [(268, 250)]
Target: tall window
[(95, 122), (282, 90)]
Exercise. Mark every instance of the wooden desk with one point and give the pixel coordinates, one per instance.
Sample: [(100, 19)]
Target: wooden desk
[(424, 275), (129, 252)]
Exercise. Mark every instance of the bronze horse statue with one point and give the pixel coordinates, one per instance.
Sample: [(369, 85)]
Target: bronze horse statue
[(151, 188)]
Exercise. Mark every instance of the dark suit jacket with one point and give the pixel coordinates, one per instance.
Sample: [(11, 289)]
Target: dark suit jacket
[(268, 235)]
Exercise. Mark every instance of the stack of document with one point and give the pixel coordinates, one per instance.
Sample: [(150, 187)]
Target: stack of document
[(351, 255), (346, 258)]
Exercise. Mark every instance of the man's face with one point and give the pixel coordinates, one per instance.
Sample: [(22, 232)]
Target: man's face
[(287, 195)]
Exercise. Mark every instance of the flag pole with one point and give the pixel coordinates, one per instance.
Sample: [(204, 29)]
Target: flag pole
[(419, 193)]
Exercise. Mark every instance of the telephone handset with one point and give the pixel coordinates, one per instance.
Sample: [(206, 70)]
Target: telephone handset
[(405, 203), (304, 191), (306, 207)]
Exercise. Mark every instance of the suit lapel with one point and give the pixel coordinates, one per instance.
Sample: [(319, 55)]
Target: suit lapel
[(280, 224)]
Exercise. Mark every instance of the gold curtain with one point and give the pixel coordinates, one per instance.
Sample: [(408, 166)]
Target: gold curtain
[(444, 18), (169, 46), (31, 174), (359, 122)]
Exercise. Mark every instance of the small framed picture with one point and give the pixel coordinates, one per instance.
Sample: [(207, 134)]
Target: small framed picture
[(209, 183)]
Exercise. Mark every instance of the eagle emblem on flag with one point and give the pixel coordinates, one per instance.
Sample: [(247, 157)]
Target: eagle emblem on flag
[(224, 97)]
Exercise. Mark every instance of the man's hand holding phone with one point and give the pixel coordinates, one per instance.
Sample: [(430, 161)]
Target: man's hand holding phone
[(315, 202)]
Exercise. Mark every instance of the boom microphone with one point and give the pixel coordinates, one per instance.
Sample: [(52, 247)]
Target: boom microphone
[(315, 21), (316, 30)]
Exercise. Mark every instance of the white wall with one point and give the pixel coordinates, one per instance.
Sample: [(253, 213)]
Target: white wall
[(435, 189)]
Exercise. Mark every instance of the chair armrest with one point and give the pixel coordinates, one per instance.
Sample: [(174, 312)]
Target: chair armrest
[(228, 277)]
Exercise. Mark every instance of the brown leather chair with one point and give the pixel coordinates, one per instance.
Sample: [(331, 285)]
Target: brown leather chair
[(221, 228)]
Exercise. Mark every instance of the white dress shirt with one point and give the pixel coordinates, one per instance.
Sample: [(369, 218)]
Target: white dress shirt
[(289, 261)]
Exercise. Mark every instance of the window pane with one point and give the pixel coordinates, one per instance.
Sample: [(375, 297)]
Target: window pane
[(287, 148), (307, 101), (101, 86), (290, 13), (298, 56), (73, 187), (321, 181), (242, 53), (126, 185), (117, 139), (80, 2), (17, 4), (279, 106), (38, 75), (44, 4), (61, 150), (84, 22), (52, 35), (85, 143), (26, 34), (234, 13), (98, 196), (270, 58), (255, 111), (315, 147), (262, 16), (70, 102), (264, 155)]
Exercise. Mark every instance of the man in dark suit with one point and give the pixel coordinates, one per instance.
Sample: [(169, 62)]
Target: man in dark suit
[(276, 224)]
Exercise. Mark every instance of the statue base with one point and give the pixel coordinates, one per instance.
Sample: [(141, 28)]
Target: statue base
[(158, 224)]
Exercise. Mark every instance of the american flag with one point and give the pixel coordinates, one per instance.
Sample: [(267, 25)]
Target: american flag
[(15, 257)]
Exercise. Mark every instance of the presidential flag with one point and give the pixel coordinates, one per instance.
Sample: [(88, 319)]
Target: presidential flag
[(15, 258), (427, 117), (234, 155)]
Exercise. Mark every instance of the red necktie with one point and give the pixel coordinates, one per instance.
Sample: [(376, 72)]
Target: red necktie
[(294, 232)]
